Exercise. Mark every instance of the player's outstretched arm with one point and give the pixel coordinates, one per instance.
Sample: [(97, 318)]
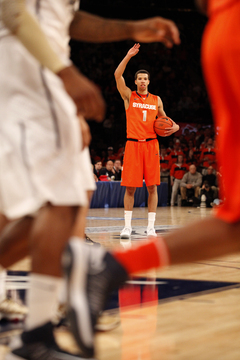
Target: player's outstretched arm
[(124, 91), (92, 28)]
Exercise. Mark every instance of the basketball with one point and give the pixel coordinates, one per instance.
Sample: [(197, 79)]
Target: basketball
[(161, 123)]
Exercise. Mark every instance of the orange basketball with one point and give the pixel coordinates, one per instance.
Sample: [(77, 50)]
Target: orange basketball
[(161, 123)]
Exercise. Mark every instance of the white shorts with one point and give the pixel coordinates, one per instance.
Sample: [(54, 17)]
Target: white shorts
[(89, 183), (40, 136)]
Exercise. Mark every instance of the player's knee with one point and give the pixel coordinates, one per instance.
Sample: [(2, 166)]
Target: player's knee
[(130, 190), (152, 189)]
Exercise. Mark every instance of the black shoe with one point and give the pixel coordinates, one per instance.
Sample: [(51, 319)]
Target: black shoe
[(90, 241), (184, 202), (92, 273), (39, 344)]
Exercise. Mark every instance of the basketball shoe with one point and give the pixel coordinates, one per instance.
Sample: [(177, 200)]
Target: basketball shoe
[(151, 232), (126, 233), (90, 241), (38, 344), (11, 310), (91, 273)]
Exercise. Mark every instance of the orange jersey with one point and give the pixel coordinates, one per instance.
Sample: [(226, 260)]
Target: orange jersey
[(178, 171), (165, 162), (209, 153), (141, 114), (174, 155), (197, 152)]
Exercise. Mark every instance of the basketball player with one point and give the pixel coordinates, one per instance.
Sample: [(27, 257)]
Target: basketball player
[(219, 234), (141, 159), (40, 143)]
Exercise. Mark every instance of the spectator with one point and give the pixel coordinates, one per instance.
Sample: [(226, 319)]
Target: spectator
[(120, 152), (108, 170), (117, 170), (94, 156), (208, 192), (165, 163), (190, 184), (97, 168), (203, 144), (187, 135), (177, 172), (190, 158), (208, 156), (211, 179), (104, 157), (197, 152), (110, 154), (170, 147), (176, 151)]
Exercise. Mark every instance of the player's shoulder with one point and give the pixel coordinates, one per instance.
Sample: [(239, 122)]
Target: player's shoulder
[(153, 95)]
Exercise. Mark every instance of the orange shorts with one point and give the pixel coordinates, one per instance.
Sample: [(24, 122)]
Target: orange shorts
[(141, 161), (221, 59)]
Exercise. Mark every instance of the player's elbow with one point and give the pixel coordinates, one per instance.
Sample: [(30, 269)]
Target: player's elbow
[(117, 74)]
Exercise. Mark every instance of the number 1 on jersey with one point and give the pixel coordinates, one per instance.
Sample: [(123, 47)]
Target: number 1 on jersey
[(144, 115)]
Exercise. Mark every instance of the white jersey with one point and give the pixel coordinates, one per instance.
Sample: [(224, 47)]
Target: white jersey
[(55, 18)]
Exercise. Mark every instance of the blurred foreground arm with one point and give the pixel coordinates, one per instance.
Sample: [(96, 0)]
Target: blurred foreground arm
[(92, 28), (202, 5), (22, 24)]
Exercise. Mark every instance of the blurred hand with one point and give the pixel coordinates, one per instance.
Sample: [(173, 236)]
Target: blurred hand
[(85, 130), (84, 93), (156, 29)]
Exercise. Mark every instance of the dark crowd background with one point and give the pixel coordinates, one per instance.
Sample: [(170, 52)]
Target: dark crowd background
[(176, 74)]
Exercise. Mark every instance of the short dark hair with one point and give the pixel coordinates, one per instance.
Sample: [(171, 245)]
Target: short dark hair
[(142, 72)]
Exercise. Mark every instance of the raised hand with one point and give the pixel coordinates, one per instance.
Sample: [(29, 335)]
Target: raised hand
[(134, 50)]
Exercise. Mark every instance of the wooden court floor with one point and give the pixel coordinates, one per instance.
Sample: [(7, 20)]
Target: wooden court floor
[(177, 324)]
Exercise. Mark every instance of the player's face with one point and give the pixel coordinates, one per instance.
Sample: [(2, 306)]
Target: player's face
[(142, 82)]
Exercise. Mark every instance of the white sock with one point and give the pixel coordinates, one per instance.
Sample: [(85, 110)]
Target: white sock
[(128, 218), (151, 219), (62, 296), (3, 276), (42, 299)]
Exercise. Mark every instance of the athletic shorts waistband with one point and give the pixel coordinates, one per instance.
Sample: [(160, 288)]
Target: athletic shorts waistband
[(141, 140)]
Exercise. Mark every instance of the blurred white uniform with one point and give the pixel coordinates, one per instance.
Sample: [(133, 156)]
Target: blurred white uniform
[(40, 139)]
